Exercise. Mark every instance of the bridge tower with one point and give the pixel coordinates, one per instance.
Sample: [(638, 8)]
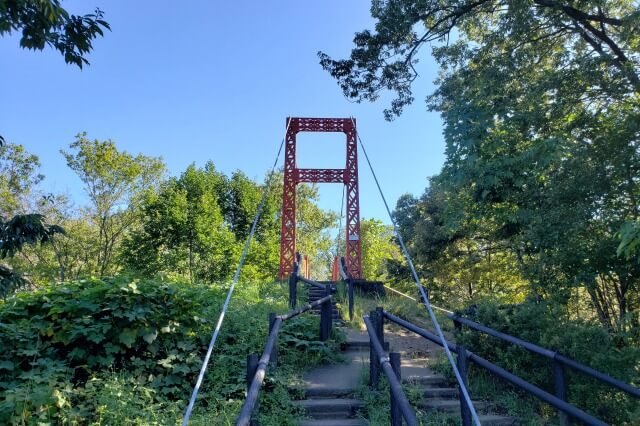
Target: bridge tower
[(347, 176)]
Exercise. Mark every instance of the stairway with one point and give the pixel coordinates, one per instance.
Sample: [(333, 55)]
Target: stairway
[(441, 398), (314, 293), (329, 389)]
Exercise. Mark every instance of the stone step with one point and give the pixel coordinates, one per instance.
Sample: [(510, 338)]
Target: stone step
[(360, 345), (313, 297), (428, 380), (334, 422), (325, 408), (328, 392), (440, 392), (449, 405), (497, 420), (314, 290), (334, 316)]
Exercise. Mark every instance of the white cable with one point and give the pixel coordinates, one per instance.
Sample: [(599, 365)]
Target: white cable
[(423, 293), (401, 293), (207, 357)]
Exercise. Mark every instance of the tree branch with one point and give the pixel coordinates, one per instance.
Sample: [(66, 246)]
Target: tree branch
[(578, 14)]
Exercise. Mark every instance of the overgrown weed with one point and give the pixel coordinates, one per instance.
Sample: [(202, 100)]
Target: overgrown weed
[(127, 351)]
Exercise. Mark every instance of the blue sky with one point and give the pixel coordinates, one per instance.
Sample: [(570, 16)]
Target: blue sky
[(199, 80)]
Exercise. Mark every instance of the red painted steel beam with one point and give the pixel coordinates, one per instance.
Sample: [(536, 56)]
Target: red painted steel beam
[(348, 176), (320, 175)]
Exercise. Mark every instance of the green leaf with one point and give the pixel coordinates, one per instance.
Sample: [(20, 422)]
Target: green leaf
[(150, 336), (128, 336), (7, 365)]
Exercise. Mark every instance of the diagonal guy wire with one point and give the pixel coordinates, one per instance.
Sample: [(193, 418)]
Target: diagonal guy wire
[(207, 357), (423, 293)]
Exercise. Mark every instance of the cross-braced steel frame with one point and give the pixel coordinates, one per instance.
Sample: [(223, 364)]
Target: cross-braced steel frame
[(347, 176)]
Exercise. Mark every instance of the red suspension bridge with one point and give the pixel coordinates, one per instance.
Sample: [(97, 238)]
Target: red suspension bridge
[(351, 272)]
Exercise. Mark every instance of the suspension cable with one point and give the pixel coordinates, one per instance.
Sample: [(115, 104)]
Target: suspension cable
[(423, 293), (207, 357)]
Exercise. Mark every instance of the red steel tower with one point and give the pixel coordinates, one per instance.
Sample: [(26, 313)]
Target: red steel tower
[(347, 176)]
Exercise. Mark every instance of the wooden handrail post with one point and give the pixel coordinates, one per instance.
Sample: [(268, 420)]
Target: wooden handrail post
[(325, 316), (274, 354), (379, 324), (560, 387), (293, 289), (374, 367), (457, 324), (396, 413), (463, 367), (252, 366)]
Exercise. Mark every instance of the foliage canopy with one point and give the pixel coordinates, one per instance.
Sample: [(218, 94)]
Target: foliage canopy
[(46, 23)]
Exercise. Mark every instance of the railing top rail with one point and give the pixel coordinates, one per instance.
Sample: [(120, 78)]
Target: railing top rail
[(503, 336), (305, 308), (311, 282), (407, 412), (254, 390), (500, 372), (625, 387), (244, 418)]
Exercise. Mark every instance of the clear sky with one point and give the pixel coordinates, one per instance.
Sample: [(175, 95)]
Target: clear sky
[(198, 80)]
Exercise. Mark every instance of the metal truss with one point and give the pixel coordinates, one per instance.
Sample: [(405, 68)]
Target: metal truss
[(347, 176)]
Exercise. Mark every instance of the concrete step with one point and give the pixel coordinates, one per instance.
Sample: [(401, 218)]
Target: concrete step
[(497, 420), (449, 405), (360, 345), (335, 316), (335, 380), (328, 392), (330, 408), (430, 380), (334, 422), (434, 392)]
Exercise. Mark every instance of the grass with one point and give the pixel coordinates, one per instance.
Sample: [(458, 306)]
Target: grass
[(299, 350), (377, 403), (363, 304), (504, 399)]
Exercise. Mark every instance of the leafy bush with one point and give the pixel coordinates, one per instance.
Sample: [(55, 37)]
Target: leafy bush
[(127, 351), (547, 325)]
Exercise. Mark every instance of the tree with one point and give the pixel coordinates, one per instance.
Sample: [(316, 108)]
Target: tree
[(115, 182), (378, 248), (46, 23), (456, 252), (540, 104), (312, 230), (240, 207), (195, 226), (629, 240), (18, 177), (183, 230), (21, 230), (603, 35)]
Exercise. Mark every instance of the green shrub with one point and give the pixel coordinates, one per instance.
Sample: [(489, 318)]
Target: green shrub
[(127, 351), (547, 325)]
